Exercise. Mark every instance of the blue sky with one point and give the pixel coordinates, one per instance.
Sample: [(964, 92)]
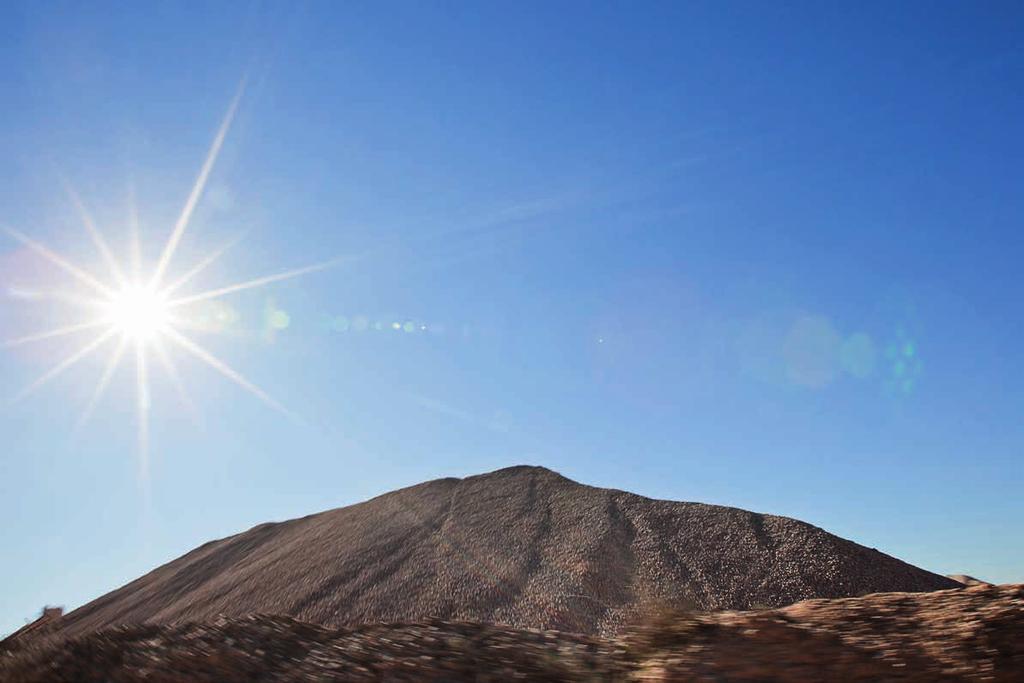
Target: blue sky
[(761, 256)]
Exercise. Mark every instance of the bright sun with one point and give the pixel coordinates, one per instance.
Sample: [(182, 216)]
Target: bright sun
[(145, 312), (139, 313)]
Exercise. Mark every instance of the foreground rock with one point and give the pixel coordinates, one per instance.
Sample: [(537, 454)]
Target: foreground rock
[(522, 546), (970, 634)]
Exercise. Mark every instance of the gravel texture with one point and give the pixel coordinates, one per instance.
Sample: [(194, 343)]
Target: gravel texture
[(968, 634), (522, 546)]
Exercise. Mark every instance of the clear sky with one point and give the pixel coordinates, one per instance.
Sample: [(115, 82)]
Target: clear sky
[(765, 255)]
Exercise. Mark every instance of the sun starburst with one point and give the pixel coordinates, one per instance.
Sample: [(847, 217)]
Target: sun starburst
[(140, 312)]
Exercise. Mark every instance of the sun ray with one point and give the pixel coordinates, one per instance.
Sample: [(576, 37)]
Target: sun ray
[(96, 235), (134, 243), (60, 262), (200, 267), (197, 189), (101, 386), (224, 369), (63, 365), (258, 282), (142, 409), (186, 325), (172, 373), (55, 295), (50, 334)]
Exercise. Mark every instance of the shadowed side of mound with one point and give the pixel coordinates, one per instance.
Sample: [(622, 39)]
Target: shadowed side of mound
[(522, 546)]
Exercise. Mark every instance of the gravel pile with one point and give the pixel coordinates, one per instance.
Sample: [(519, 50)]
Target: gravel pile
[(523, 546), (969, 634)]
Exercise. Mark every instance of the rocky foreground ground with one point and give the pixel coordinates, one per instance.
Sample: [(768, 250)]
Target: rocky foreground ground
[(969, 634)]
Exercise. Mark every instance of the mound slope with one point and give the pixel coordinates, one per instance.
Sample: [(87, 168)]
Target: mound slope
[(521, 546)]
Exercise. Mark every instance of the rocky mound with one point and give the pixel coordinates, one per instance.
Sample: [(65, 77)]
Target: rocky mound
[(970, 634), (522, 546), (967, 580)]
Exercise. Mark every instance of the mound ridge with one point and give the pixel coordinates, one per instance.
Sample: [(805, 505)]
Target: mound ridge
[(521, 546)]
